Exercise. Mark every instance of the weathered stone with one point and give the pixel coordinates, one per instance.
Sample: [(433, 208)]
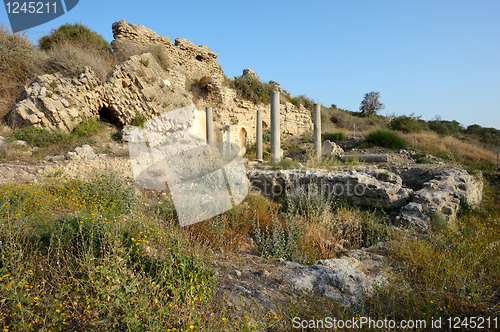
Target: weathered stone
[(362, 188), (347, 280), (250, 73), (139, 87), (439, 192), (140, 82), (277, 86), (331, 149), (86, 152), (55, 101), (185, 56)]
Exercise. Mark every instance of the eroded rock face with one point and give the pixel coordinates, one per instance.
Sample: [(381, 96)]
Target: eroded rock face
[(365, 188), (346, 280), (439, 191), (136, 87), (250, 73), (55, 101), (184, 56), (140, 86)]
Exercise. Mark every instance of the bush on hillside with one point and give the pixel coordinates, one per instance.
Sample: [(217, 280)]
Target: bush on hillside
[(444, 127), (408, 124), (333, 137), (74, 33), (386, 139), (253, 89)]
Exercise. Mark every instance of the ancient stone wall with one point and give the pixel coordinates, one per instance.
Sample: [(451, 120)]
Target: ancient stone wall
[(184, 56)]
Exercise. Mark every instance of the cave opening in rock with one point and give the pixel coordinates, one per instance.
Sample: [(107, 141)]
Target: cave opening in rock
[(106, 115), (199, 58)]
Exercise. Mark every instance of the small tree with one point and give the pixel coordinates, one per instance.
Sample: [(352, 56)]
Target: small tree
[(371, 104)]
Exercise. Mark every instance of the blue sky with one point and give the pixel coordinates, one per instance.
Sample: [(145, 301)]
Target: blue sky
[(424, 57)]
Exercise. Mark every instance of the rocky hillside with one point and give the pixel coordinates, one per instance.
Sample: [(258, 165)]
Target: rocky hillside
[(140, 88)]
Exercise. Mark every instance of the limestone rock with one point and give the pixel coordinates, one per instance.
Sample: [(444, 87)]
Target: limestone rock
[(277, 86), (361, 188), (250, 73), (138, 87), (331, 149), (2, 141), (347, 280), (55, 101), (439, 191), (83, 152), (184, 56)]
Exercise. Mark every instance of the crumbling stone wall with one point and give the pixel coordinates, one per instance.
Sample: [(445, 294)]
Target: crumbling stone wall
[(191, 60)]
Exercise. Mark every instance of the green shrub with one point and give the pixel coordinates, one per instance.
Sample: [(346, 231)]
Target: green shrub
[(266, 136), (74, 33), (86, 128), (253, 89), (295, 102), (288, 163), (40, 137), (307, 102), (281, 241), (408, 124), (139, 121), (307, 201), (444, 127), (386, 139), (333, 137)]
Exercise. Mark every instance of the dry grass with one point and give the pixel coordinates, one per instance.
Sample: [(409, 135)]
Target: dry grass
[(441, 146), (20, 62), (72, 58)]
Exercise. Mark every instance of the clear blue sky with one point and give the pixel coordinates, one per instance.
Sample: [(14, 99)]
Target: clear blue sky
[(427, 57)]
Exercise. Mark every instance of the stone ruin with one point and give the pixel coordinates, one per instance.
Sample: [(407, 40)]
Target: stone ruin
[(419, 193), (141, 87)]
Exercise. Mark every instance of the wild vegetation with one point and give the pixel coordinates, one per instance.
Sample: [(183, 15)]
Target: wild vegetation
[(95, 253)]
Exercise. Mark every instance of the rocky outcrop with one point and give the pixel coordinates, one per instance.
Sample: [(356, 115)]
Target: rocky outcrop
[(422, 193), (331, 149), (55, 101), (184, 56), (439, 192), (250, 73), (347, 280), (137, 87), (365, 188), (140, 87)]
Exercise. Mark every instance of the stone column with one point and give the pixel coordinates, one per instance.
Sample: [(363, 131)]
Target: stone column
[(258, 148), (317, 130), (210, 126), (228, 142), (275, 128)]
